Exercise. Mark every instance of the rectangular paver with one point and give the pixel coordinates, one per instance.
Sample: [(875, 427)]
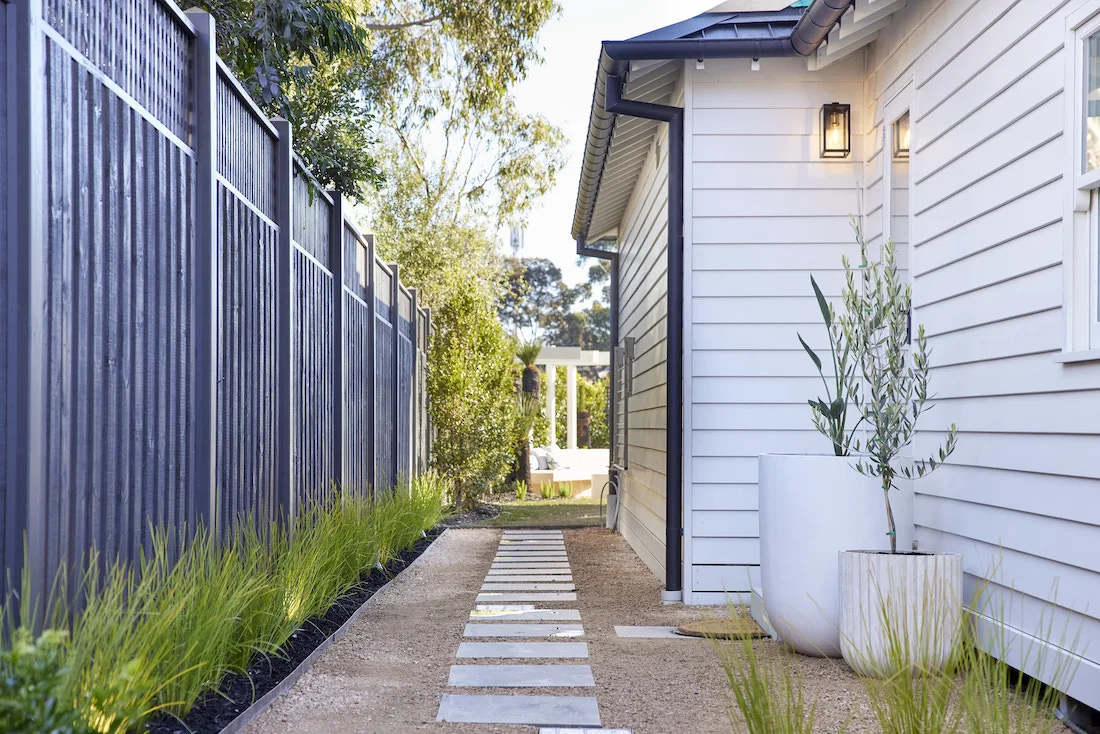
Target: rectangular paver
[(571, 730), (523, 650), (509, 547), (530, 710), (531, 555), (513, 570), (503, 629), (532, 531), (532, 540), (541, 578), (532, 615), (506, 607), (491, 585), (491, 596), (511, 559), (521, 676), (648, 632)]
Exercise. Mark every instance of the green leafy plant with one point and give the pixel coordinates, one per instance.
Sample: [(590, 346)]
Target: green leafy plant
[(766, 690), (830, 414), (565, 490), (31, 673), (521, 490), (547, 490), (875, 328)]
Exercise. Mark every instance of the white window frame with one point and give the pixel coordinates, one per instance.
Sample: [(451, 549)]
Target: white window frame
[(1081, 256), (899, 104)]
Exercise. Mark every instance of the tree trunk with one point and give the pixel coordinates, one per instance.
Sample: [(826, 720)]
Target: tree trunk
[(530, 383), (523, 462), (890, 521)]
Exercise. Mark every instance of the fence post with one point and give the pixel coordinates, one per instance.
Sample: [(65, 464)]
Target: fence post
[(26, 255), (284, 193), (427, 399), (395, 315), (336, 261), (372, 355), (206, 270), (414, 390)]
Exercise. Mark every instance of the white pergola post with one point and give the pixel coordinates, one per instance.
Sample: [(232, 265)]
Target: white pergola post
[(551, 403), (571, 406)]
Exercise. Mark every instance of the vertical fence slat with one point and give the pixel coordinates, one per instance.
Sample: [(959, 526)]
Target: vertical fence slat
[(395, 374), (337, 264), (284, 175)]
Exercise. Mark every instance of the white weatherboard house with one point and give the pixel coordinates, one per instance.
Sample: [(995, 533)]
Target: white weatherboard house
[(717, 181)]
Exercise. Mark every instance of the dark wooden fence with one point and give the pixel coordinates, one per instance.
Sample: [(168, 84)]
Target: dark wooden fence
[(194, 332)]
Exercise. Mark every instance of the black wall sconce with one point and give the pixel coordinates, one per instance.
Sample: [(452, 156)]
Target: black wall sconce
[(836, 130)]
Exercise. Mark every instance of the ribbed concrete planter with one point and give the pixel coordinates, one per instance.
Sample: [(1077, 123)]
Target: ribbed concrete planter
[(811, 508), (899, 609)]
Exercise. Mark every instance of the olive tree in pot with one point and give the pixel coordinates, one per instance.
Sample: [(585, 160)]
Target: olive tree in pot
[(813, 506), (898, 607)]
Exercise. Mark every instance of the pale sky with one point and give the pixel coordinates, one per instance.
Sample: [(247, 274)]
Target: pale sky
[(561, 90)]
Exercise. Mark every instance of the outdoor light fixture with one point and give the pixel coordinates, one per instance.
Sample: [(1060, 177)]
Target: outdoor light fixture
[(901, 136), (836, 130)]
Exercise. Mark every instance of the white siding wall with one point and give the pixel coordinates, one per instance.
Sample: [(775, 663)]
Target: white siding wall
[(766, 211), (1021, 497), (643, 311)]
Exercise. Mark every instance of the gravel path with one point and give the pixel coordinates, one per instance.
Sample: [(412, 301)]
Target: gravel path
[(389, 673)]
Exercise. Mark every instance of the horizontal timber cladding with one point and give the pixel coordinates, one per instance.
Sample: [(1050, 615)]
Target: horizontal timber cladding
[(140, 282), (643, 330), (119, 224), (988, 194), (767, 213)]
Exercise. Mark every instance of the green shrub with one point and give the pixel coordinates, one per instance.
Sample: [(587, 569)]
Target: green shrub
[(157, 636), (565, 489), (547, 490), (31, 673), (521, 490)]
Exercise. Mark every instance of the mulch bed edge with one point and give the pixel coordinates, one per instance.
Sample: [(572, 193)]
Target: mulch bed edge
[(165, 724), (247, 716)]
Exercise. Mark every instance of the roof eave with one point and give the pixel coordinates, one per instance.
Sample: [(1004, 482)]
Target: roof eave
[(615, 56)]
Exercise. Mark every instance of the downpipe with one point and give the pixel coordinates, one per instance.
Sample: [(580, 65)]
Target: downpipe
[(674, 476)]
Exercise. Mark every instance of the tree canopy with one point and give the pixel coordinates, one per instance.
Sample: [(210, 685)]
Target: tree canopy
[(539, 303)]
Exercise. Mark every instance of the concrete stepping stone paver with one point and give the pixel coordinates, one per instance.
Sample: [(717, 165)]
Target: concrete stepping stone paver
[(534, 577), (531, 531), (521, 676), (648, 632), (528, 629), (491, 585), (522, 650), (531, 555), (534, 615), (514, 571), (491, 596), (530, 710), (531, 551), (506, 607), (559, 730), (546, 562), (508, 547)]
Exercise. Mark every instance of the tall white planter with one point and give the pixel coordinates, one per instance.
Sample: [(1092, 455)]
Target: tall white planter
[(899, 610), (811, 508)]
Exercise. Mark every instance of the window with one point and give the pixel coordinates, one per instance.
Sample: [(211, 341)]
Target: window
[(897, 136), (1082, 244)]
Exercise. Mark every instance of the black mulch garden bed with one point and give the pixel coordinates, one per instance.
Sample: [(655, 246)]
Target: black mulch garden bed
[(215, 710)]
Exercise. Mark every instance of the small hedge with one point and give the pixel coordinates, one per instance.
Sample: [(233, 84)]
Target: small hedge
[(157, 636)]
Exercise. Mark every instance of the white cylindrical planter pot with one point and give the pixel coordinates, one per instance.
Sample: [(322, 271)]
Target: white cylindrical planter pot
[(811, 508), (899, 610)]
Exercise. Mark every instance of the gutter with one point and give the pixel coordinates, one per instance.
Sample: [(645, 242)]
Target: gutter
[(805, 37)]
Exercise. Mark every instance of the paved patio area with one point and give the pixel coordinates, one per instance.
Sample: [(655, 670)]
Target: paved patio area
[(485, 629)]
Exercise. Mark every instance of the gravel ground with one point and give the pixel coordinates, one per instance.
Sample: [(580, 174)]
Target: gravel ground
[(388, 673)]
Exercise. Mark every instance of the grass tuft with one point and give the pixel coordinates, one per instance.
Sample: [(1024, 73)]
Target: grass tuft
[(156, 636)]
